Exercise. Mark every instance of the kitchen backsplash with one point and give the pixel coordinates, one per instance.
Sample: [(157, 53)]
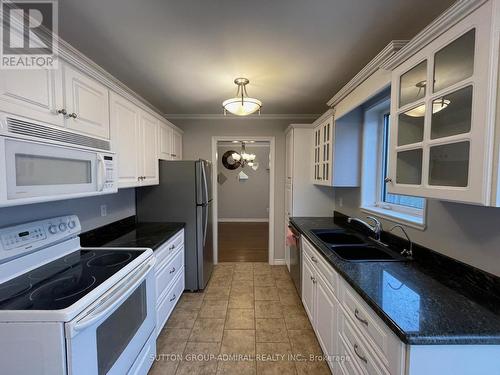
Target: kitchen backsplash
[(89, 210)]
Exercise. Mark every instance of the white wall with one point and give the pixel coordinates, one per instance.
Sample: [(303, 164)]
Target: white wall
[(197, 143), (88, 210), (244, 199)]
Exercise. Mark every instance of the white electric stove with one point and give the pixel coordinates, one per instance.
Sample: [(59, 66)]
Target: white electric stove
[(71, 310)]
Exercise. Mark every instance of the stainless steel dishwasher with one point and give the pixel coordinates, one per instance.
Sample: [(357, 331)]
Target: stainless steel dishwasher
[(296, 259)]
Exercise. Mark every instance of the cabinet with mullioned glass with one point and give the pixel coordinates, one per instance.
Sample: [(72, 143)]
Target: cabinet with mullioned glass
[(336, 150), (442, 117)]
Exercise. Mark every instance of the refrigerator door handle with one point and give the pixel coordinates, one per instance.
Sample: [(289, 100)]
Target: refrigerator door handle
[(205, 209), (205, 183)]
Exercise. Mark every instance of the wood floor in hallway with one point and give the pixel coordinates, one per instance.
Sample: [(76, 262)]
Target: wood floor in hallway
[(249, 314), (243, 242)]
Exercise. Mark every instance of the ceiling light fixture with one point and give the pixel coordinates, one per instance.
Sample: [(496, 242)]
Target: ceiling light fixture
[(241, 104), (244, 157)]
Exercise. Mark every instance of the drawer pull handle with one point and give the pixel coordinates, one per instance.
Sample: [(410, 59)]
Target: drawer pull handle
[(171, 247), (314, 259), (313, 279), (173, 270), (356, 314), (171, 299), (356, 347)]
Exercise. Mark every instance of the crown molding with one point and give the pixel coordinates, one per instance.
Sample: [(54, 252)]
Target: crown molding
[(216, 116), (454, 14), (375, 64)]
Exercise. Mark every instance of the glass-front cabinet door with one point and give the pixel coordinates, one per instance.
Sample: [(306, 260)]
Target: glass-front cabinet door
[(442, 116), (323, 152)]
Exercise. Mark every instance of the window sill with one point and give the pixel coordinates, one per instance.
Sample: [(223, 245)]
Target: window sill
[(417, 222)]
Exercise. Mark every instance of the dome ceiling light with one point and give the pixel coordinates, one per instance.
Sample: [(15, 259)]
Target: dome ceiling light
[(241, 104)]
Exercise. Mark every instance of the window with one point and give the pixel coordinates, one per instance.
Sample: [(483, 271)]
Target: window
[(376, 199)]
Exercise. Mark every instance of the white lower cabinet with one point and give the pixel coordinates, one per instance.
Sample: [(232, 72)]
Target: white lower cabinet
[(351, 349), (169, 275), (358, 342)]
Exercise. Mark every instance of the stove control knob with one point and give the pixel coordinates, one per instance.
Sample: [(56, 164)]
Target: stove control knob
[(52, 229), (71, 224), (63, 227)]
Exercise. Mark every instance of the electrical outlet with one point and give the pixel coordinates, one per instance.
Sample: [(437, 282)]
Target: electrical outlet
[(104, 210), (341, 202)]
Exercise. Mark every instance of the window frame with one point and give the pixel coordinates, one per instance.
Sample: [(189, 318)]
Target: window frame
[(372, 201)]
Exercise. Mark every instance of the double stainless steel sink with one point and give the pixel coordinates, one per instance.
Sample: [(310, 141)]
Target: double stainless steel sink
[(354, 248)]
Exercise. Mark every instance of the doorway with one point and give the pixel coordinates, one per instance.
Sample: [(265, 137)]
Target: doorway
[(243, 186)]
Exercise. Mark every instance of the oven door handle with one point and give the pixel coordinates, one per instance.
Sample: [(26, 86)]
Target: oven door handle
[(110, 302), (101, 179)]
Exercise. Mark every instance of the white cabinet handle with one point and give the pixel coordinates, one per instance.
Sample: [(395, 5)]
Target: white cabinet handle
[(363, 358), (172, 271), (171, 299), (314, 259), (356, 314)]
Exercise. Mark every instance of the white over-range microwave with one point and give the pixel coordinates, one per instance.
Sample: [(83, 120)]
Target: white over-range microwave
[(40, 163)]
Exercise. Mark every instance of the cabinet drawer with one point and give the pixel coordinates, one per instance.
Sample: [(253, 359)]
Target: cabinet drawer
[(347, 365), (384, 343), (168, 248), (168, 272), (168, 302), (321, 265), (360, 352)]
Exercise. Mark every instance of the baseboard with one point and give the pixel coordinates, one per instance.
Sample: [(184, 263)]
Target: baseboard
[(279, 262), (242, 220)]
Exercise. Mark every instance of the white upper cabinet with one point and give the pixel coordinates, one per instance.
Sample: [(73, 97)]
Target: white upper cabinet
[(176, 145), (149, 149), (134, 135), (336, 150), (36, 94), (166, 139), (323, 139), (170, 145), (125, 117), (442, 115), (86, 102)]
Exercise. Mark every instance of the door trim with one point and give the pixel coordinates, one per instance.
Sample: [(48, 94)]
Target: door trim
[(272, 141)]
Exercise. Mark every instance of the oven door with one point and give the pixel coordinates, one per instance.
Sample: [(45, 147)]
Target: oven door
[(37, 171), (108, 337)]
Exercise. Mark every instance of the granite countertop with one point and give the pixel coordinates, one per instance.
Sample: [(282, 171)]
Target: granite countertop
[(128, 233), (418, 307)]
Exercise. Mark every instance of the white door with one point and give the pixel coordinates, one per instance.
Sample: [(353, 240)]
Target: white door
[(36, 94), (149, 148), (177, 145), (125, 117), (308, 288), (166, 133), (87, 103), (326, 309)]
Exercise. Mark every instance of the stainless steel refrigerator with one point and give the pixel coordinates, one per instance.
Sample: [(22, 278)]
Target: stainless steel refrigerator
[(184, 195)]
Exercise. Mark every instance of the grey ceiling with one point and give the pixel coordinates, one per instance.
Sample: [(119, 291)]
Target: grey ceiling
[(183, 55)]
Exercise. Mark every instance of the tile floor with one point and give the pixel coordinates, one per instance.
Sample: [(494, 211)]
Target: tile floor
[(249, 320)]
